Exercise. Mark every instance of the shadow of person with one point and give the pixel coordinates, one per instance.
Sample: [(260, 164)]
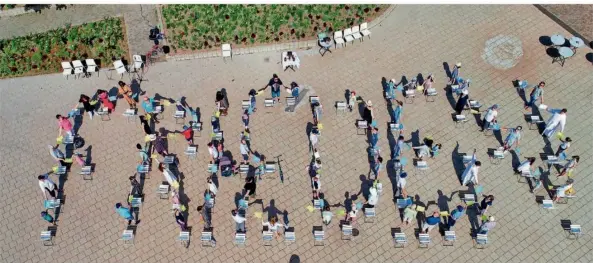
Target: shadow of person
[(271, 209), (589, 57), (457, 162), (447, 69)]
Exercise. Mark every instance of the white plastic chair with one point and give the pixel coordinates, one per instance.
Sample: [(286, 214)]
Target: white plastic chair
[(348, 35), (120, 67), (227, 51), (338, 39), (68, 69), (78, 67), (91, 66), (364, 30), (138, 63), (356, 33)]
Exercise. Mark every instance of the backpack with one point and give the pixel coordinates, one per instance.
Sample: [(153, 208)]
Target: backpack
[(47, 217), (78, 142)]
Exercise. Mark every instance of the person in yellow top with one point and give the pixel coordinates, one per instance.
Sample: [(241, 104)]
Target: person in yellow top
[(125, 91)]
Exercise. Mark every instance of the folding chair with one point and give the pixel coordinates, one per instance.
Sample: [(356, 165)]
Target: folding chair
[(91, 66), (421, 167), (348, 35), (431, 93), (449, 238), (136, 202), (369, 215), (356, 33), (86, 173), (268, 103), (267, 237), (68, 69), (497, 156), (575, 230), (364, 30), (245, 104), (314, 99), (68, 139), (51, 204), (61, 170), (240, 239), (346, 232), (197, 127), (548, 204), (469, 199), (341, 106), (534, 120), (361, 125), (423, 240), (218, 136), (289, 236), (270, 167), (104, 112), (290, 103), (47, 238), (460, 120), (130, 115), (403, 203), (227, 51), (163, 190), (157, 112), (318, 204), (138, 65), (206, 239), (410, 95), (191, 152), (395, 127), (144, 169), (338, 39), (179, 114), (78, 67), (318, 238), (184, 238), (400, 240), (128, 236), (169, 160), (466, 159), (481, 241), (120, 68)]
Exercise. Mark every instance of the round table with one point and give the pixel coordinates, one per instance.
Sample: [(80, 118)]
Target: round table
[(576, 42), (565, 52), (558, 40)]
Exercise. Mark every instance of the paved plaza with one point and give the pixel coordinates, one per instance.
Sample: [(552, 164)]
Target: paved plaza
[(412, 39)]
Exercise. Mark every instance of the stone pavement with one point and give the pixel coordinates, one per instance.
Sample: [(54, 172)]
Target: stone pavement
[(412, 40), (139, 19)]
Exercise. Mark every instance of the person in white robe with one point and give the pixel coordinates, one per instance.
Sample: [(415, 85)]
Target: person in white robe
[(471, 171), (555, 123)]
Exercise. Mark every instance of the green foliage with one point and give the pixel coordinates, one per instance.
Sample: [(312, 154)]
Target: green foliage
[(43, 52), (191, 26)]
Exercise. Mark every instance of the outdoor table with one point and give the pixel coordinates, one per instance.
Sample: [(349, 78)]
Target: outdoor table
[(288, 63), (558, 40), (576, 42), (565, 52)]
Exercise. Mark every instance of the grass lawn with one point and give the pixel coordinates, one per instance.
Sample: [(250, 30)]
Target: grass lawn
[(194, 27), (43, 53)]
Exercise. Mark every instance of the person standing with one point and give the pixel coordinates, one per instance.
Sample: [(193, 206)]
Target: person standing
[(562, 190), (513, 138), (563, 147), (313, 140), (378, 167), (188, 134), (455, 74), (485, 204), (169, 176), (397, 151), (428, 84), (327, 215), (250, 186), (536, 93), (213, 152), (145, 125), (239, 222), (212, 187), (401, 184), (398, 112), (275, 83), (390, 91), (273, 226), (487, 225), (58, 155), (369, 113), (351, 100), (135, 188), (125, 91), (431, 222), (462, 101), (570, 166), (489, 117), (86, 104), (125, 212), (142, 153), (149, 108), (245, 151), (374, 137), (526, 167), (180, 219), (64, 125), (456, 215), (556, 122), (471, 171), (246, 119), (105, 102), (47, 186), (159, 145)]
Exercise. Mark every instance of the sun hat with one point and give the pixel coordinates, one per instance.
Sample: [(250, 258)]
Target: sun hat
[(491, 219), (392, 80), (369, 103), (458, 64), (464, 92)]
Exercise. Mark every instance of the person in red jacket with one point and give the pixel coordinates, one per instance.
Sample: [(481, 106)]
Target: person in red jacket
[(188, 133)]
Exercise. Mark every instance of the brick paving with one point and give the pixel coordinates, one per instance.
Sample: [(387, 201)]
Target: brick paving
[(412, 40)]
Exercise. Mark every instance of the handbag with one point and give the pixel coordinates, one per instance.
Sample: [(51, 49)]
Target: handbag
[(420, 88), (93, 102)]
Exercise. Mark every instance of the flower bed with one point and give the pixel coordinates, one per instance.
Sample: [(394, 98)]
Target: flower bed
[(44, 52), (194, 27)]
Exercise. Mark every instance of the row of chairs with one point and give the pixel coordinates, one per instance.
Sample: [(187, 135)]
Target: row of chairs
[(350, 34), (76, 67)]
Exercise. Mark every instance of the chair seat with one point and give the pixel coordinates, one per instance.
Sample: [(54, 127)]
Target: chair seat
[(78, 70), (339, 40), (67, 72), (121, 70), (226, 53), (91, 69), (357, 35), (365, 32), (138, 64), (349, 38)]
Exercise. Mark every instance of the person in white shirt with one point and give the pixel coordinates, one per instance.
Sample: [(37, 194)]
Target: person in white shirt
[(273, 226), (213, 152), (314, 140), (401, 184), (557, 121), (563, 146), (561, 191), (525, 167), (48, 186), (212, 187), (244, 151), (239, 221), (169, 176), (490, 117), (373, 197), (471, 171), (327, 215)]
